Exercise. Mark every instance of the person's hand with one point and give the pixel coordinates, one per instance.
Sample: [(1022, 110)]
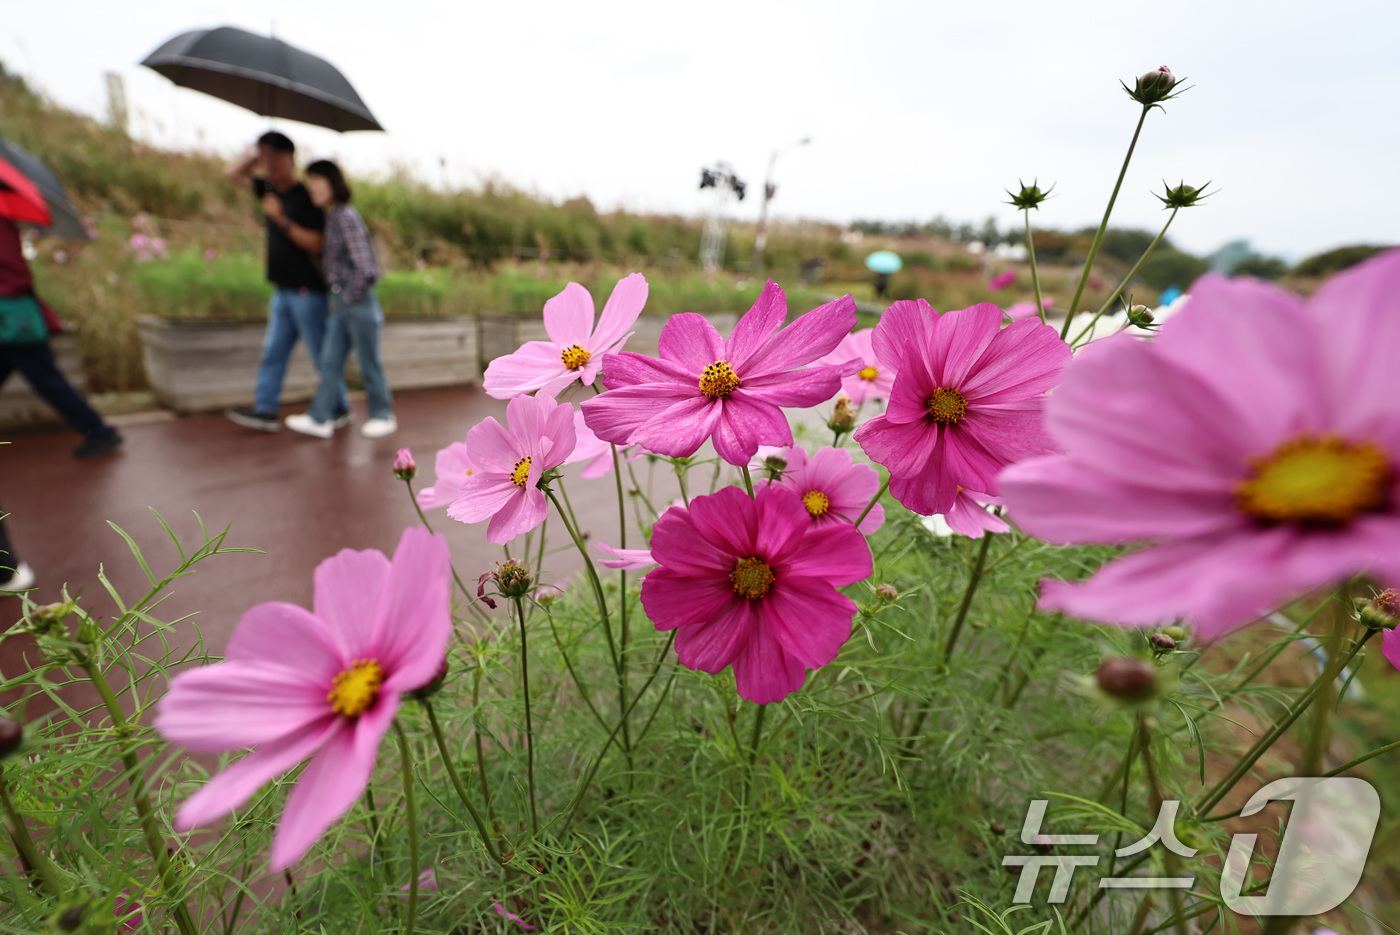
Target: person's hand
[(272, 207)]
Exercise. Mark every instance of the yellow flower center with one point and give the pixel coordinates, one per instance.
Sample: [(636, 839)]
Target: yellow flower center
[(354, 690), (868, 373), (574, 357), (1315, 480), (946, 406), (719, 380), (816, 502), (751, 578), (521, 473)]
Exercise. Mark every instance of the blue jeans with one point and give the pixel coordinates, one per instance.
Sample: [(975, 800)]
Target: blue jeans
[(292, 314), (356, 326)]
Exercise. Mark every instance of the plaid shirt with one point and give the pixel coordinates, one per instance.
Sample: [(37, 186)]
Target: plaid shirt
[(348, 258)]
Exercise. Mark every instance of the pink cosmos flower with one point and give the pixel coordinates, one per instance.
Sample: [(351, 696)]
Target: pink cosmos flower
[(967, 400), (323, 684), (509, 465), (832, 487), (1001, 280), (509, 916), (405, 468), (752, 583), (1390, 647), (1018, 310), (575, 347), (128, 912), (625, 559), (968, 517), (427, 883), (873, 380), (211, 254), (453, 467), (704, 387), (593, 453), (1253, 445)]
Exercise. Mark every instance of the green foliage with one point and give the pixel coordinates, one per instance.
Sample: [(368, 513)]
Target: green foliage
[(1262, 267), (1126, 244), (1172, 268), (1325, 264)]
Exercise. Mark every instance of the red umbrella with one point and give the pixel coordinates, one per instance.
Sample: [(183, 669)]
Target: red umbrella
[(20, 200)]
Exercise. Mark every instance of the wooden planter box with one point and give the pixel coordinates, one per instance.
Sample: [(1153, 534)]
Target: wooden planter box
[(19, 407), (199, 366)]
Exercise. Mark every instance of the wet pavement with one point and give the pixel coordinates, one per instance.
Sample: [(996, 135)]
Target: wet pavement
[(298, 499)]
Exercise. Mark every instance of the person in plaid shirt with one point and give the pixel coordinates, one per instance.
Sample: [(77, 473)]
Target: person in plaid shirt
[(356, 317)]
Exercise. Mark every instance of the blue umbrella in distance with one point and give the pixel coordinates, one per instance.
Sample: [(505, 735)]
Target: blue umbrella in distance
[(884, 262)]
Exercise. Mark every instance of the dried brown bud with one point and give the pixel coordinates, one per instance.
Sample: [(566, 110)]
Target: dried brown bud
[(887, 592), (1161, 642), (1127, 678)]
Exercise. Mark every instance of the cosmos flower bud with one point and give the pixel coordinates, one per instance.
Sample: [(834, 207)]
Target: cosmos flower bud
[(843, 418), (998, 829), (1161, 642), (887, 592), (404, 466), (69, 919), (89, 631), (1154, 87), (1140, 315), (11, 736), (1042, 844), (1382, 612), (775, 465), (1030, 196), (1178, 633), (545, 598), (512, 578), (1127, 678), (1181, 195)]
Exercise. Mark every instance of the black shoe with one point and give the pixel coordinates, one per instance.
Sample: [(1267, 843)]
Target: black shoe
[(252, 419), (342, 419), (95, 445)]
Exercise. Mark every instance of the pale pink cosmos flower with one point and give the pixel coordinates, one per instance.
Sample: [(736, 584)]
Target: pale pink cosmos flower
[(832, 487), (704, 387), (1001, 280), (509, 916), (575, 347), (509, 464), (593, 453), (751, 583), (427, 883), (624, 559), (967, 400), (1253, 445), (452, 468), (874, 380), (323, 684), (1018, 310)]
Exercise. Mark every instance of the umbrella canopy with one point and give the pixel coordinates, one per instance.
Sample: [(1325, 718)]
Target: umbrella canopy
[(883, 261), (264, 75), (20, 201), (59, 219)]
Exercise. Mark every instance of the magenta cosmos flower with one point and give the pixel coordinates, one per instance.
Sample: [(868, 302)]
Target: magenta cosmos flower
[(509, 465), (752, 583), (968, 517), (453, 467), (704, 387), (1001, 280), (967, 400), (1253, 445), (323, 684), (873, 380), (575, 347), (832, 487)]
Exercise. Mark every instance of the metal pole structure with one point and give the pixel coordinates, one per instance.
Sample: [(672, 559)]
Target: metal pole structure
[(761, 237)]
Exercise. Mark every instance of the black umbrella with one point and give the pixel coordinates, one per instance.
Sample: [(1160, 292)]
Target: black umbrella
[(66, 222), (264, 75)]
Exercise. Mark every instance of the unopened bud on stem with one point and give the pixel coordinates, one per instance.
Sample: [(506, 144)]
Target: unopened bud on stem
[(1127, 678)]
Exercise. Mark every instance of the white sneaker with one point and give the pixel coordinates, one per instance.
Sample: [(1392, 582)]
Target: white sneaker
[(378, 428), (21, 580), (306, 425)]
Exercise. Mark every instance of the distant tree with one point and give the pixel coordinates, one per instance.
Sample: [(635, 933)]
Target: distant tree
[(1262, 267), (1324, 264), (1171, 267), (1127, 244)]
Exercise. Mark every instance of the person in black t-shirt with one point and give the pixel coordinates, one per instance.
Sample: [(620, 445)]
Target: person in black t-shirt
[(298, 309)]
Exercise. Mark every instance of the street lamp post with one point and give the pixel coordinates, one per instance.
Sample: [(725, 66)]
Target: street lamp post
[(761, 238)]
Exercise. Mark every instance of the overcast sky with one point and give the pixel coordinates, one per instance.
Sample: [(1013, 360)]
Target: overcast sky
[(914, 108)]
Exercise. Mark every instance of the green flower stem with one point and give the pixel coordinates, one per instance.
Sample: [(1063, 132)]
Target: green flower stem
[(972, 582), (470, 597), (480, 752), (680, 478), (529, 723), (455, 778), (622, 670), (754, 740), (748, 481), (136, 776), (1134, 271), (1035, 276), (572, 808), (884, 485), (1242, 768), (1103, 226), (632, 476), (414, 858), (1123, 802), (592, 576), (32, 856), (573, 673), (1156, 796)]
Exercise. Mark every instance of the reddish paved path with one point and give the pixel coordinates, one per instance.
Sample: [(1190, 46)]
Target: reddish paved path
[(299, 499)]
